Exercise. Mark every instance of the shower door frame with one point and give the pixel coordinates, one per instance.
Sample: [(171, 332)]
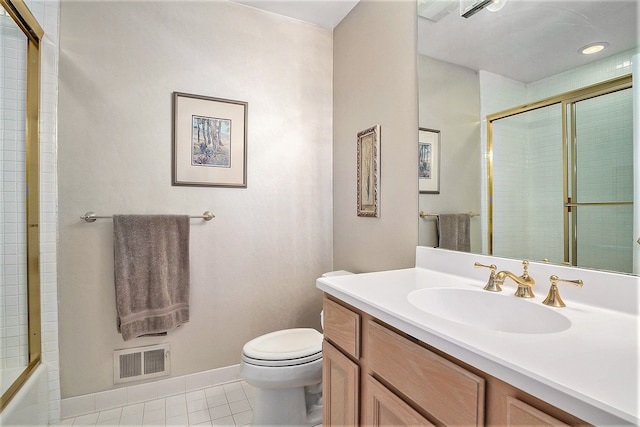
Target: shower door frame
[(566, 100), (25, 20)]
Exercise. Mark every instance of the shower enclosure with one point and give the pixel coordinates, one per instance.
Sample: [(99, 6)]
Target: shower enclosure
[(20, 344), (561, 178)]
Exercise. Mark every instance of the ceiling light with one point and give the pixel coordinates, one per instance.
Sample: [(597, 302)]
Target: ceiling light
[(593, 48), (496, 5)]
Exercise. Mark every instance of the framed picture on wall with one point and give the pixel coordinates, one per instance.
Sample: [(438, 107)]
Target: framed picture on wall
[(369, 172), (429, 160), (209, 141)]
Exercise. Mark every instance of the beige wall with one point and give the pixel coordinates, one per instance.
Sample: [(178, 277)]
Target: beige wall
[(450, 102), (375, 83), (253, 268)]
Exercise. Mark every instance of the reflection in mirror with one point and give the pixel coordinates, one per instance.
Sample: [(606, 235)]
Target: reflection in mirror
[(471, 68), (527, 182), (456, 113), (429, 161), (571, 155)]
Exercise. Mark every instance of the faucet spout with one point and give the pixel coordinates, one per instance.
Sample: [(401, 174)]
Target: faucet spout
[(525, 282)]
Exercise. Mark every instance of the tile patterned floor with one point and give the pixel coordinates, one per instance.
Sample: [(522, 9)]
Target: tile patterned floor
[(223, 405)]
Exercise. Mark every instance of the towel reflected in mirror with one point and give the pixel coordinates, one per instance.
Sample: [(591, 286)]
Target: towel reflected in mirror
[(454, 232)]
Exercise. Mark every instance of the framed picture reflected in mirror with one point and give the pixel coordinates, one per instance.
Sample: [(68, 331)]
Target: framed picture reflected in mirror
[(429, 160)]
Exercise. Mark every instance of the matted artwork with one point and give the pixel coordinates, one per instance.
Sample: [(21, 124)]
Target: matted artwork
[(429, 160), (369, 172), (209, 141)]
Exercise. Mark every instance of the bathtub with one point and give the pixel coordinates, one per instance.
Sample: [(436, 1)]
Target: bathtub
[(30, 406)]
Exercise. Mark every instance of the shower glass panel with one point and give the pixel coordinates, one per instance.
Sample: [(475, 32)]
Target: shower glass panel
[(527, 203), (14, 344), (607, 246), (602, 181)]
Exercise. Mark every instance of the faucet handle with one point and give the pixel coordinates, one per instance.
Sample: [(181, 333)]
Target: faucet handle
[(491, 285), (553, 298), (525, 269)]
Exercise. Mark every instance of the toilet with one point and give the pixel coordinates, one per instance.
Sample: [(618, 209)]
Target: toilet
[(285, 367)]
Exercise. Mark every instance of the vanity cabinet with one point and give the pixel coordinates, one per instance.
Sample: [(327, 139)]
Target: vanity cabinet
[(383, 408), (340, 370), (449, 394), (375, 375)]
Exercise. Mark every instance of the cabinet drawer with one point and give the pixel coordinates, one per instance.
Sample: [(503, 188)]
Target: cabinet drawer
[(446, 392), (342, 327)]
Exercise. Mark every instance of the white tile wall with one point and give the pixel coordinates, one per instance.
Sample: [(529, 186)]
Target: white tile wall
[(13, 308)]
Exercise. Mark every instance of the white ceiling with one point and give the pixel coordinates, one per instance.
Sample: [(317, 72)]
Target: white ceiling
[(527, 40), (531, 39), (325, 13)]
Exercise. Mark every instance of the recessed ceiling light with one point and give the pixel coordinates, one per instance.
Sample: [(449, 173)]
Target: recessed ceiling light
[(593, 48), (496, 5)]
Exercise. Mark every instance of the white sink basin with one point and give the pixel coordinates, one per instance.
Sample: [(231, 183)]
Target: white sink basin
[(488, 310)]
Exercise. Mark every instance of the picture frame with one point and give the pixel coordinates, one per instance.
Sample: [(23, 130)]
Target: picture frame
[(429, 161), (209, 141), (368, 171)]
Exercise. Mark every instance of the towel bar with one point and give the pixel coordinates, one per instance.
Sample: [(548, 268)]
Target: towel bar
[(424, 214), (92, 217)]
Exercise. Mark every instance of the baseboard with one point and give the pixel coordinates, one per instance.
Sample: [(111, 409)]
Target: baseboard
[(151, 390)]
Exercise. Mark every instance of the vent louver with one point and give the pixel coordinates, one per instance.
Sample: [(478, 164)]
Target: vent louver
[(130, 365), (134, 364)]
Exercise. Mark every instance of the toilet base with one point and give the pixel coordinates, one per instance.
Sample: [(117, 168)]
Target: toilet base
[(299, 406)]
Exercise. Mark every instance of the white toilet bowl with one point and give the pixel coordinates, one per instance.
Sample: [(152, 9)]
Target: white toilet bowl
[(286, 369)]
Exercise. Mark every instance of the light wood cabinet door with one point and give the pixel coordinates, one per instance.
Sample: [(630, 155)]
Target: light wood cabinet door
[(383, 408), (342, 327), (340, 388), (522, 414), (450, 394)]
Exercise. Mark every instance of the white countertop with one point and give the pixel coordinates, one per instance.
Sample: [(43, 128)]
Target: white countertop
[(589, 370)]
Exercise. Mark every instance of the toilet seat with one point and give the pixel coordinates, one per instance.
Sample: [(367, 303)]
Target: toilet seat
[(289, 347)]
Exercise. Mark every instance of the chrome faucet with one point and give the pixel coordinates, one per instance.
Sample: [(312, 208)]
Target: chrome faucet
[(525, 282)]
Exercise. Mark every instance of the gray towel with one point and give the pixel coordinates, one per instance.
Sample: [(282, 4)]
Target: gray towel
[(151, 254), (453, 232)]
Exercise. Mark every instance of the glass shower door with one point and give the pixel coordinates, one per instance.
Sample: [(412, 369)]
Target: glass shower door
[(527, 191), (601, 189), (14, 350), (20, 344)]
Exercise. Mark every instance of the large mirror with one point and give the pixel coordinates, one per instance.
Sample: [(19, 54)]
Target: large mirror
[(520, 63)]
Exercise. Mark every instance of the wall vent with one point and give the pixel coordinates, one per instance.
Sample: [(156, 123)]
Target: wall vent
[(134, 364)]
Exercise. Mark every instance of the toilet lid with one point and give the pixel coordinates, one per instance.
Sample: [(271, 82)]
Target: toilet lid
[(285, 345)]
